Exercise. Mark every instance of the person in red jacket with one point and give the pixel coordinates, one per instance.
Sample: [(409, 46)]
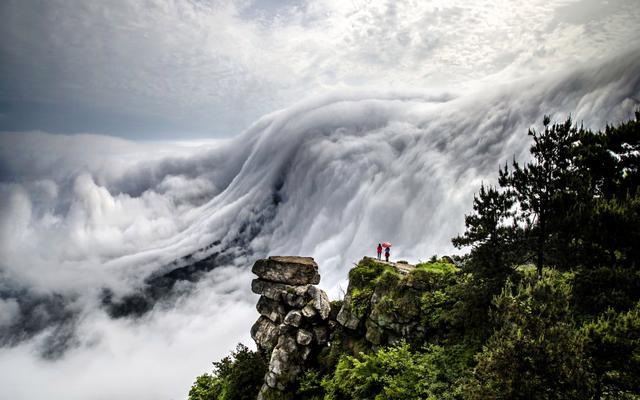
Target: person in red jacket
[(379, 251)]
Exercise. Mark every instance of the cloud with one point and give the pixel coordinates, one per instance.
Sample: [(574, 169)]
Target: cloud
[(156, 358), (327, 177), (9, 310), (169, 68)]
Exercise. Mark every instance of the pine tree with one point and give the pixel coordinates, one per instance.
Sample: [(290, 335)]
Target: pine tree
[(490, 234), (544, 187), (608, 208)]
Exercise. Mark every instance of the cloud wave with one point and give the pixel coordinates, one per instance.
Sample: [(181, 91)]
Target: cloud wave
[(328, 177)]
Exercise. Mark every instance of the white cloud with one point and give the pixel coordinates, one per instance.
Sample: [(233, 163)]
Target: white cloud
[(156, 358), (214, 66)]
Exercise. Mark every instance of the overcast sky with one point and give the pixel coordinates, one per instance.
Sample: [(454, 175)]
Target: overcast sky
[(169, 69)]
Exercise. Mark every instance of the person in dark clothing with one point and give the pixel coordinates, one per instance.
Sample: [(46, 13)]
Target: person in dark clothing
[(379, 251), (387, 253)]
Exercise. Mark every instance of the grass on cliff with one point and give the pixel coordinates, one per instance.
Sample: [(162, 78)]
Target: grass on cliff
[(369, 272), (438, 267), (370, 276), (364, 278)]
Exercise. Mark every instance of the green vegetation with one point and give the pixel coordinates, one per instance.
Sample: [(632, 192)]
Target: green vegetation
[(545, 305), (369, 271), (365, 278), (535, 351), (437, 266), (397, 373), (235, 377)]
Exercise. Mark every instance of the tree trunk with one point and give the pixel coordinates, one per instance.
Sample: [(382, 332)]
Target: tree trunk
[(540, 246)]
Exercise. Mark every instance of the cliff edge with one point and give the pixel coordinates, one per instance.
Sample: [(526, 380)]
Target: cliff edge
[(298, 327)]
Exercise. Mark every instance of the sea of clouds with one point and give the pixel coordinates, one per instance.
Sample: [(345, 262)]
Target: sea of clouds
[(329, 177)]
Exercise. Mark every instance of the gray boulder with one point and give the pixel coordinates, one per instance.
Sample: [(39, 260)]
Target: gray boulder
[(374, 333), (284, 365), (265, 333), (270, 309), (304, 337), (293, 318), (272, 290), (293, 300), (346, 317), (305, 352), (309, 311), (320, 302), (285, 329), (287, 269)]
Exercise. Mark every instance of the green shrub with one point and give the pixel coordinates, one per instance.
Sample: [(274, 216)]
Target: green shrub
[(361, 300), (343, 342), (368, 271), (206, 387), (434, 305), (365, 278), (235, 377), (535, 352), (613, 343), (468, 313), (397, 373), (598, 289), (310, 386), (438, 266)]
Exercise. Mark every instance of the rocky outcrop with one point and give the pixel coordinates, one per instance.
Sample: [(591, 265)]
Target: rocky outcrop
[(288, 269), (386, 304), (346, 316), (294, 318)]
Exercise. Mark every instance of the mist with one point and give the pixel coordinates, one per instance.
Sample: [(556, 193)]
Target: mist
[(327, 177)]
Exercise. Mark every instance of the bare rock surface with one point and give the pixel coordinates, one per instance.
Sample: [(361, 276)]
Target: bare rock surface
[(270, 309), (271, 290), (346, 317), (265, 333), (294, 318), (288, 269)]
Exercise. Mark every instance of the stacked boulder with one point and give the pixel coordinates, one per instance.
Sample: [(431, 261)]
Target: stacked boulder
[(294, 318)]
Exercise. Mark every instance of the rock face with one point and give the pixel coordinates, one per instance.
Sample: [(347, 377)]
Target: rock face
[(294, 318), (387, 305), (288, 269), (346, 317)]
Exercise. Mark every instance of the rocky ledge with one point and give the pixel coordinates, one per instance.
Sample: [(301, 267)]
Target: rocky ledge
[(294, 318)]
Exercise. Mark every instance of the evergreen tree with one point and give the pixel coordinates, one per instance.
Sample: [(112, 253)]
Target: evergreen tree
[(544, 187), (235, 377), (491, 234), (608, 222), (613, 343), (535, 351), (494, 242)]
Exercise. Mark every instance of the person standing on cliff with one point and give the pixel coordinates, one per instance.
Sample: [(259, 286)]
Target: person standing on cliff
[(379, 251), (387, 253)]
